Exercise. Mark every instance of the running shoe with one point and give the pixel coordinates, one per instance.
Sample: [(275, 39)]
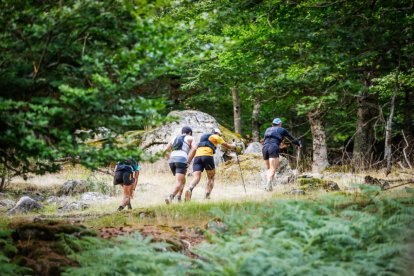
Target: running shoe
[(169, 199)]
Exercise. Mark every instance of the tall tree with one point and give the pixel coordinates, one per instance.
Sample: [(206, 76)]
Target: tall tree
[(69, 71), (236, 109)]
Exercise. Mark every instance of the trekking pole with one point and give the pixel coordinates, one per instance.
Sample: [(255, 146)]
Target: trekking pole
[(241, 174), (297, 159)]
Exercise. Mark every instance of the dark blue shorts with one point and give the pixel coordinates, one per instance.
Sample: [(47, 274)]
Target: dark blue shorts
[(270, 151), (178, 167), (203, 162)]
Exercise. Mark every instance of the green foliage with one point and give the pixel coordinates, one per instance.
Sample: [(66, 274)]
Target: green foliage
[(335, 234), (7, 250), (132, 255), (296, 237), (295, 58), (70, 71)]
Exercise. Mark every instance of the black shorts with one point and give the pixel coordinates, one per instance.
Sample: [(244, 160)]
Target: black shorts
[(203, 162), (270, 151), (178, 167)]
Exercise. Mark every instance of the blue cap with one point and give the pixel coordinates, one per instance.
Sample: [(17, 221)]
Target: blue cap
[(276, 121)]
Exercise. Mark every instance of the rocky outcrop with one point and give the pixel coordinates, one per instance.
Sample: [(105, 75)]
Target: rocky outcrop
[(72, 187), (65, 204), (254, 170), (93, 196), (308, 184), (254, 148), (24, 205), (73, 206), (155, 140), (6, 203)]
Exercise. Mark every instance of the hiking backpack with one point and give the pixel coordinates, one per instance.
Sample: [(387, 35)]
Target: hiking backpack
[(124, 172), (205, 142), (178, 142)]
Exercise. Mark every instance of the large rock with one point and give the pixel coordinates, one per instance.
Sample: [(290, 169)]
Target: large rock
[(308, 184), (155, 140), (24, 205), (6, 203), (72, 187), (254, 170), (254, 148), (73, 206), (93, 196)]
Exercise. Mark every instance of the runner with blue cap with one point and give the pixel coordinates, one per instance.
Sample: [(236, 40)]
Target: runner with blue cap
[(273, 137)]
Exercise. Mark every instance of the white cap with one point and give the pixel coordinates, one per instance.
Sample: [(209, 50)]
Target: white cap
[(216, 130)]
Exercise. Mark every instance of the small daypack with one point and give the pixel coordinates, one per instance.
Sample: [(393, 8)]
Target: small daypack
[(178, 142), (124, 173)]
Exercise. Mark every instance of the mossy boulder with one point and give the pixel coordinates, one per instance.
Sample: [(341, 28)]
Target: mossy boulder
[(308, 184), (153, 141), (254, 170), (24, 205)]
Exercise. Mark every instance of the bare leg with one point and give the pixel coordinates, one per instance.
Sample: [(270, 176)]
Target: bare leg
[(134, 185), (196, 180), (272, 164), (132, 188), (127, 195), (210, 183), (180, 192), (178, 189), (267, 164)]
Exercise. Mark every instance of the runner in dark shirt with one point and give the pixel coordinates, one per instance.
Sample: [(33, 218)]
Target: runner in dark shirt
[(273, 137)]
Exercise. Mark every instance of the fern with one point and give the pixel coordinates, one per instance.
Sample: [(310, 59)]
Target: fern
[(129, 256), (7, 249), (333, 235)]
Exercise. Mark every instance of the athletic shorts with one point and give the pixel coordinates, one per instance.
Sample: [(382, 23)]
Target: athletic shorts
[(270, 151), (178, 167), (203, 162)]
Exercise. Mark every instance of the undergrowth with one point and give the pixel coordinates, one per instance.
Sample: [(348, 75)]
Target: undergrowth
[(7, 251), (338, 234)]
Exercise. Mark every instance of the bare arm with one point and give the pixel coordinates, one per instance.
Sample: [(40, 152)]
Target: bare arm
[(167, 150), (136, 174), (230, 146), (193, 149)]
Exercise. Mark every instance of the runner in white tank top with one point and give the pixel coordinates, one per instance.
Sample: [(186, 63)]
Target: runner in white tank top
[(183, 150)]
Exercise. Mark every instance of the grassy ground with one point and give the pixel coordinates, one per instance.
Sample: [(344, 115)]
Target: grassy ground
[(230, 221)]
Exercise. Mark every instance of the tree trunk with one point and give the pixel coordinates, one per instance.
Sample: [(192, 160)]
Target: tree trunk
[(320, 151), (388, 129), (408, 114), (236, 110), (3, 177), (255, 120), (364, 136)]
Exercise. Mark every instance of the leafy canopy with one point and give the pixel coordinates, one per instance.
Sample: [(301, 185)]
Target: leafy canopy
[(71, 71)]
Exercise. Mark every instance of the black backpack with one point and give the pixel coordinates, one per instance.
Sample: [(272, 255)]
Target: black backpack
[(178, 142), (124, 173), (205, 142)]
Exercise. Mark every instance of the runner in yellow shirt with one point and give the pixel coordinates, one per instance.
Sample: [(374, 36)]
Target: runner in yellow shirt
[(204, 160)]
